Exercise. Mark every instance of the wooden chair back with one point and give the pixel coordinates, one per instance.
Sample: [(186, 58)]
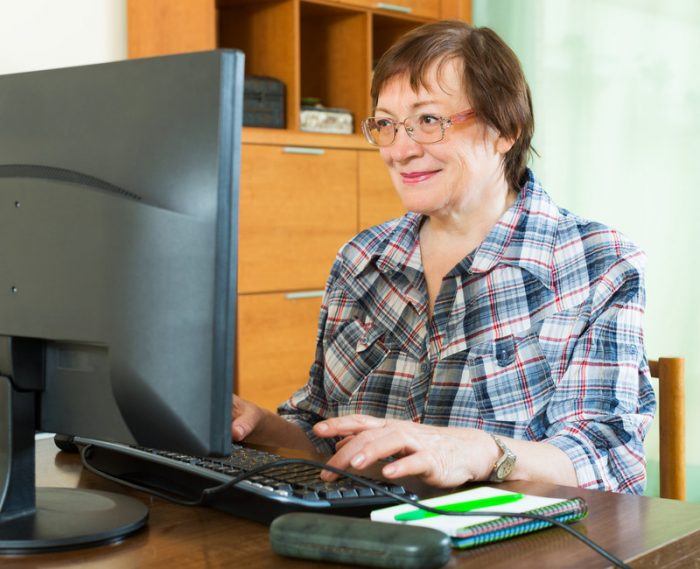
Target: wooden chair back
[(671, 375)]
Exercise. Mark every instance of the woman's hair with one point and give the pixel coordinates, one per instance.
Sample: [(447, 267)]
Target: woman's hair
[(494, 81)]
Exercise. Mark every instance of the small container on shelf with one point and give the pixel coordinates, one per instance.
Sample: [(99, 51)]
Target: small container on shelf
[(263, 102), (315, 117)]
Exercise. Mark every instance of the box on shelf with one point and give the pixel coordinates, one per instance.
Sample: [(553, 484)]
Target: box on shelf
[(263, 102), (324, 119)]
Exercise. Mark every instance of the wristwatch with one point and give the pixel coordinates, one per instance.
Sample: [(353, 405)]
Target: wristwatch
[(504, 465)]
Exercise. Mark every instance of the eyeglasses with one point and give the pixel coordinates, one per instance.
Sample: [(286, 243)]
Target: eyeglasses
[(424, 129)]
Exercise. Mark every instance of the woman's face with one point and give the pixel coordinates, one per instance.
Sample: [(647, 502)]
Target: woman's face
[(454, 175)]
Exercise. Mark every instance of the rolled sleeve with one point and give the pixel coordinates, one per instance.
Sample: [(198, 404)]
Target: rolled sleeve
[(604, 403), (305, 409)]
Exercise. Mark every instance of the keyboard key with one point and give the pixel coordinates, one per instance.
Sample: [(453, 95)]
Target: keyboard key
[(259, 478), (311, 496)]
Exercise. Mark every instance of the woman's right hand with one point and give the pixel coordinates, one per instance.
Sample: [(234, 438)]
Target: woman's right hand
[(247, 417), (260, 426)]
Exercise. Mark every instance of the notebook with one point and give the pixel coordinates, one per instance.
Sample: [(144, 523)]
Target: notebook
[(470, 531)]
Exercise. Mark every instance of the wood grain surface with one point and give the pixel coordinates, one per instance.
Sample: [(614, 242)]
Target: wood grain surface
[(671, 375), (276, 346), (646, 532), (296, 211)]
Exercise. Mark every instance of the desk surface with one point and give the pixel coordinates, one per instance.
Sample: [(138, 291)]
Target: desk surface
[(648, 532)]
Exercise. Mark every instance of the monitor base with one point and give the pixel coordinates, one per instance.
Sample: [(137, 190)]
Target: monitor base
[(72, 518)]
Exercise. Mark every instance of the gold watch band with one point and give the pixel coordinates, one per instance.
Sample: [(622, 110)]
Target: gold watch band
[(503, 467)]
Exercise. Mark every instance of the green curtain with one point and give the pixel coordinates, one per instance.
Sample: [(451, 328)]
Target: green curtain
[(616, 89)]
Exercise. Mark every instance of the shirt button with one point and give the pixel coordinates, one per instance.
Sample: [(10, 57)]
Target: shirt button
[(505, 355)]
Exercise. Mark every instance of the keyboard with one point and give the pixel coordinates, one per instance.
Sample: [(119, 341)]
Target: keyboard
[(262, 497)]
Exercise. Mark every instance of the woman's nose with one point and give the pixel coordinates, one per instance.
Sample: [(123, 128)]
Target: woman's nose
[(404, 147)]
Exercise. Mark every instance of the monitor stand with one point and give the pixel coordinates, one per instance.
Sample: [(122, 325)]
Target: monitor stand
[(34, 520)]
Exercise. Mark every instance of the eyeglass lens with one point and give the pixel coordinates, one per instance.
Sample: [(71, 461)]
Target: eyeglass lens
[(421, 128)]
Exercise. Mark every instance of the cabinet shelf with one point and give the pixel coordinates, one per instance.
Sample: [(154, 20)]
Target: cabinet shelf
[(385, 31), (335, 46), (278, 136), (318, 48), (267, 31)]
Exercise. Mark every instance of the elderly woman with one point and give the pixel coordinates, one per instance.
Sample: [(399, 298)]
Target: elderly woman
[(487, 334)]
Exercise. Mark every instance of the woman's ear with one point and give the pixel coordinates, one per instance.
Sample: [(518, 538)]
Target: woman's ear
[(503, 145)]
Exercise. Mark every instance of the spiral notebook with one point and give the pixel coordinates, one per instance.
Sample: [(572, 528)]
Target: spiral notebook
[(468, 531)]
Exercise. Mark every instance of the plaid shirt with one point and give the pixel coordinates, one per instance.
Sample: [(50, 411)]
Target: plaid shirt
[(536, 335)]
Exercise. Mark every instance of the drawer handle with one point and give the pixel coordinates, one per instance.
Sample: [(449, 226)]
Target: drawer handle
[(394, 8), (303, 150), (304, 294)]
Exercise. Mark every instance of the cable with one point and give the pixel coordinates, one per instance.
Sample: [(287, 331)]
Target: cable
[(207, 493)]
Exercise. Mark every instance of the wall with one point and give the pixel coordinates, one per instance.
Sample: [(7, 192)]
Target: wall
[(617, 111), (44, 34)]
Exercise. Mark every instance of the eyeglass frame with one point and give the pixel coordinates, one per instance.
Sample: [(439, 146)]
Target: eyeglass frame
[(445, 123)]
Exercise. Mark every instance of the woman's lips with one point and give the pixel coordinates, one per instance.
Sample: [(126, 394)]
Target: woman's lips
[(417, 177)]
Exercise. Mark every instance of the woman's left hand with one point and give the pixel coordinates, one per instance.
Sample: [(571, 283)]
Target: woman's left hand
[(442, 456)]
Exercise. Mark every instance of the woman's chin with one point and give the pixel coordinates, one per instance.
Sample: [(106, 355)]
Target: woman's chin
[(419, 205)]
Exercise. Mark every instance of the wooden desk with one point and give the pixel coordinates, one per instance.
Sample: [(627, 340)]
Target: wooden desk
[(648, 532)]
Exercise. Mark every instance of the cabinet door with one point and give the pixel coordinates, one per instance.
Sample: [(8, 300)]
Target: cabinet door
[(422, 8), (296, 210), (276, 345), (379, 201)]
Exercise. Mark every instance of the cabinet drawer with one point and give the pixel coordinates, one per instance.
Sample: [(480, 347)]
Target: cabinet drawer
[(296, 210), (379, 201), (422, 8), (276, 345)]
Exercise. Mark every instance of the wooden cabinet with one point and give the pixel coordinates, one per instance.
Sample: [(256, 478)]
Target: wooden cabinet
[(302, 194), (297, 207), (318, 48), (159, 27), (276, 344), (268, 33), (422, 8), (335, 57)]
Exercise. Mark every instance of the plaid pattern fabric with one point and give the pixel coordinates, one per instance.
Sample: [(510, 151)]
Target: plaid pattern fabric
[(537, 335)]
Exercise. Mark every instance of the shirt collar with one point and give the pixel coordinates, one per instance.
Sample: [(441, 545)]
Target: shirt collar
[(402, 251), (524, 236)]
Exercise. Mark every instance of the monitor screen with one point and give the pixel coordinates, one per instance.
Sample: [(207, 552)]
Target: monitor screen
[(119, 188)]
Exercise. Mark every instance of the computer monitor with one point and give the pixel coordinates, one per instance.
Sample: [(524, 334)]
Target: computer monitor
[(118, 225)]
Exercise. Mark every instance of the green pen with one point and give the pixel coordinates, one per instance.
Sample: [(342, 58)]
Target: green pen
[(468, 506)]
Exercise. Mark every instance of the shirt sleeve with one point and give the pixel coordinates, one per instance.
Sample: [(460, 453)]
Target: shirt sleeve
[(309, 405), (604, 403)]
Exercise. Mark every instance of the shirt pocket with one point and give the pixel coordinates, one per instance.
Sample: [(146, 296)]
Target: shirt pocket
[(511, 379), (355, 351)]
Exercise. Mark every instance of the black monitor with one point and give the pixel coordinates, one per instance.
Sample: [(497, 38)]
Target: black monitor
[(118, 232)]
